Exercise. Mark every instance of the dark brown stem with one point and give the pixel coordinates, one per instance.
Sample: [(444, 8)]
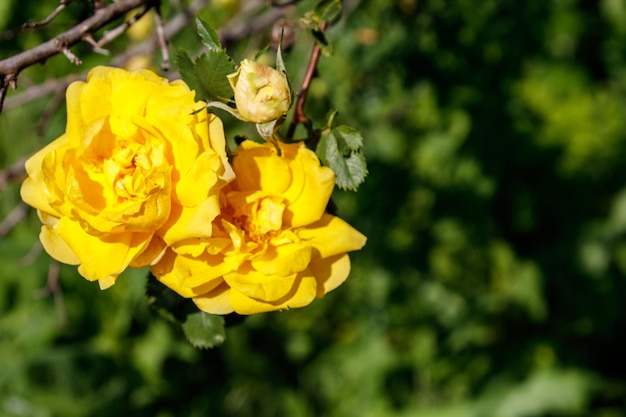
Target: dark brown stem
[(298, 115)]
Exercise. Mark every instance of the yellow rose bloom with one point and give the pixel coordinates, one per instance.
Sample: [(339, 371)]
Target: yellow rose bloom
[(273, 246), (135, 170)]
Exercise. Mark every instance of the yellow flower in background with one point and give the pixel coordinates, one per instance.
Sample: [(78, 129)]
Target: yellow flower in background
[(136, 170), (261, 93), (273, 246)]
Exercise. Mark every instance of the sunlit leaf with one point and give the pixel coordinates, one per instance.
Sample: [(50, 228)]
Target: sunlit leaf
[(328, 10), (208, 35), (207, 74), (204, 330), (340, 149)]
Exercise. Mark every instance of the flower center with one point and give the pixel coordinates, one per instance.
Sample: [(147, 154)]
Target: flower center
[(261, 219)]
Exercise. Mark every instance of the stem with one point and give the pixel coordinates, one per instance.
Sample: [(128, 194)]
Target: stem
[(298, 115)]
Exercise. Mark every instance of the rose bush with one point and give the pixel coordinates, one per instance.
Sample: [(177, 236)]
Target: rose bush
[(136, 170), (273, 246)]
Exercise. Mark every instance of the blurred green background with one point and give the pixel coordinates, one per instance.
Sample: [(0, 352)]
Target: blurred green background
[(493, 283)]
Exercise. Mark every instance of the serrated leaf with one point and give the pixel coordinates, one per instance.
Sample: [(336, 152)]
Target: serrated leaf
[(328, 10), (209, 36), (187, 73), (211, 70), (340, 149), (204, 330), (348, 139), (207, 74)]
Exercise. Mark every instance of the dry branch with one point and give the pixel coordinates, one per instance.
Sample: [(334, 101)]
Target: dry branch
[(11, 67)]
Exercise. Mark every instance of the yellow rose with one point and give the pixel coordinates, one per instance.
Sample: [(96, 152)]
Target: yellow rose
[(261, 93), (135, 170), (273, 246)]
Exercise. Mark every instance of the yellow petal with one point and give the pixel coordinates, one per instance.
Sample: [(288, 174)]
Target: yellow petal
[(310, 189), (107, 282), (56, 247), (262, 287), (302, 293), (190, 222), (151, 254), (34, 190), (330, 272), (216, 301), (283, 260), (202, 176), (101, 257), (171, 272), (331, 236), (258, 167)]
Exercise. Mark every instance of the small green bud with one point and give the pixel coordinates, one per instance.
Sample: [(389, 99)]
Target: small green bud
[(261, 92)]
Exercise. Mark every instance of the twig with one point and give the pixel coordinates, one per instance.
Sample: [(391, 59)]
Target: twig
[(14, 217), (162, 40), (62, 5), (11, 67), (12, 172), (54, 289), (298, 115), (114, 33)]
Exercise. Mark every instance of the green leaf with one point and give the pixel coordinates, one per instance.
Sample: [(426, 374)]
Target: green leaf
[(207, 74), (328, 10), (340, 149), (204, 330), (186, 68), (280, 63), (211, 71), (322, 40), (311, 21), (208, 35)]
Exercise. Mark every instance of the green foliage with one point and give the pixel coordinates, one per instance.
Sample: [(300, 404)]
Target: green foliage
[(208, 35), (207, 74), (340, 149), (493, 280), (204, 330)]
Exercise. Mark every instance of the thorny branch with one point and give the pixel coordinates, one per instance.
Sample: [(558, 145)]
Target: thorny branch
[(298, 115), (11, 67)]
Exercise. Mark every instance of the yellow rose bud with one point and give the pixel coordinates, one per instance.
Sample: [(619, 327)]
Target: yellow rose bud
[(261, 92), (273, 246), (135, 170)]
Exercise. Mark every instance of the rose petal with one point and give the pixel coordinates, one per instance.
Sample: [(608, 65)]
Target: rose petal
[(331, 236), (190, 222), (255, 284), (301, 294), (330, 273), (283, 260), (101, 257), (216, 301), (310, 189)]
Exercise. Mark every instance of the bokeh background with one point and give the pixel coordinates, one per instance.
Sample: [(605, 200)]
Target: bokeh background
[(493, 283)]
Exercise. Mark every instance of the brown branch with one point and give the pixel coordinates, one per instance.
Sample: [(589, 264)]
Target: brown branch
[(62, 5), (298, 115), (53, 289), (11, 67), (162, 40)]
